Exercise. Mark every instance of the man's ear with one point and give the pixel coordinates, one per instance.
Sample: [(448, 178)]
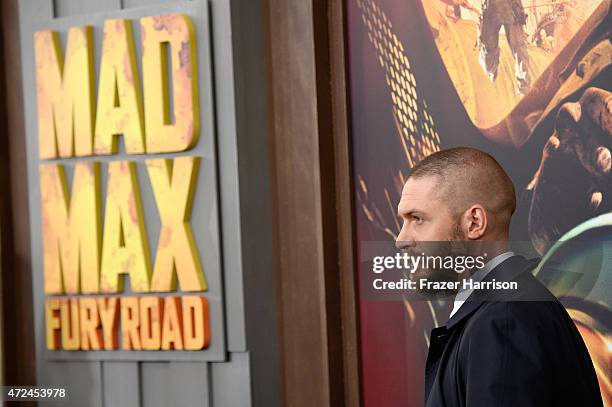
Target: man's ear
[(475, 222)]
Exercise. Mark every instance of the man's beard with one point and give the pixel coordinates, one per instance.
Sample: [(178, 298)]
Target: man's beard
[(454, 245)]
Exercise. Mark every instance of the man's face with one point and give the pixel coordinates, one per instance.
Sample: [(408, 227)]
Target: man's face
[(426, 217), (429, 228)]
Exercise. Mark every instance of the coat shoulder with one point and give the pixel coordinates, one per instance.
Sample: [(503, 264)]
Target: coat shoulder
[(525, 318)]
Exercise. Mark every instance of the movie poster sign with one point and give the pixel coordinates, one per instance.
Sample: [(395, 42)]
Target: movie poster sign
[(123, 174)]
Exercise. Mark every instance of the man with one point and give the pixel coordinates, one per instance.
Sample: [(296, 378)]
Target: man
[(499, 348), (510, 15)]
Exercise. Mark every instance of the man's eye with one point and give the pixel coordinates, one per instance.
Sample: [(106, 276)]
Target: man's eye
[(417, 219)]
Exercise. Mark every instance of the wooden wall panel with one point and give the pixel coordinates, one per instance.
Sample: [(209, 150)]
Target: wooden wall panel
[(67, 8), (143, 3), (344, 202), (83, 381), (312, 193), (223, 376), (121, 384), (177, 384), (308, 373)]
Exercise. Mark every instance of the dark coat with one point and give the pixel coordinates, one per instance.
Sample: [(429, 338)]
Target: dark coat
[(505, 349)]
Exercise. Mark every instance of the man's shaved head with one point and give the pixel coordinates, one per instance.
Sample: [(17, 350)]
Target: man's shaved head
[(467, 176)]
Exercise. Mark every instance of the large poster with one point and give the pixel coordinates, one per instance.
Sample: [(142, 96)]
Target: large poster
[(529, 82)]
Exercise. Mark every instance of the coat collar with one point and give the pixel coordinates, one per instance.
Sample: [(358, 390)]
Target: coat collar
[(507, 270)]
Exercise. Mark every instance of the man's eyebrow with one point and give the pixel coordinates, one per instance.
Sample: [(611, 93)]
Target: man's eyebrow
[(407, 212)]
